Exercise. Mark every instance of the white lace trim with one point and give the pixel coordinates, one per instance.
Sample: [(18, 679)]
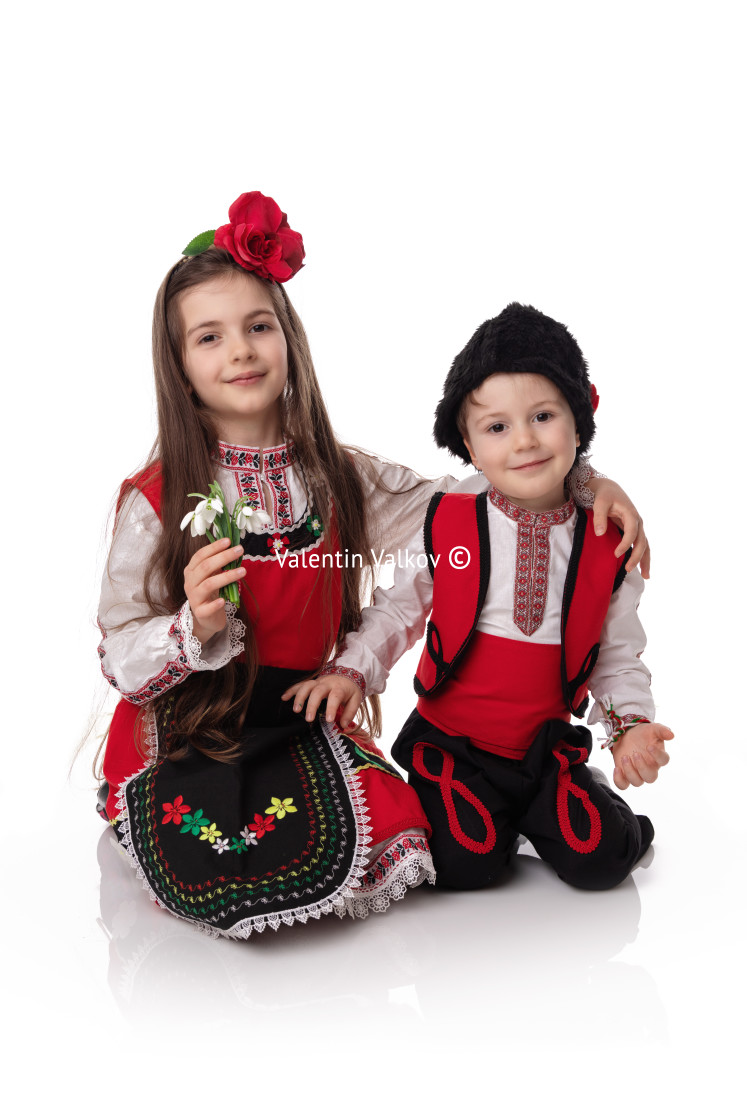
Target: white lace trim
[(577, 479), (335, 903), (410, 872), (193, 647)]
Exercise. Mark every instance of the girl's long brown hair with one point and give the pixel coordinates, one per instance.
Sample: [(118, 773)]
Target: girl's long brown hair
[(207, 709)]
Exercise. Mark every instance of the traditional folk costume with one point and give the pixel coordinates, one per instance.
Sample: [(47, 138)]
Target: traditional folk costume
[(508, 658), (529, 610), (308, 821)]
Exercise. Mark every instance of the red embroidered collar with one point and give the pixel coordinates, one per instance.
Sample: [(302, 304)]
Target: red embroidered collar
[(532, 558), (235, 458), (527, 516)]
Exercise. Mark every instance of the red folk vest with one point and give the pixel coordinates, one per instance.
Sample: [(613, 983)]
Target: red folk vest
[(594, 573), (289, 611), (289, 607)]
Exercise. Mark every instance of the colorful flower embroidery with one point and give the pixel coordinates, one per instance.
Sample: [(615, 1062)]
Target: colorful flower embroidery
[(260, 825), (176, 811), (199, 825), (277, 543), (314, 525), (280, 808), (210, 833), (193, 822)]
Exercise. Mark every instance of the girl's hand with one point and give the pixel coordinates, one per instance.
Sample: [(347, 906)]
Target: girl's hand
[(639, 754), (203, 579), (611, 501), (338, 690)]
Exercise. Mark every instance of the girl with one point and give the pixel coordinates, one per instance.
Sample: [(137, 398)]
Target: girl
[(235, 811)]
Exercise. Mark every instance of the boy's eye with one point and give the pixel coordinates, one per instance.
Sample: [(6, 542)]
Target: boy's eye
[(543, 417), (498, 428)]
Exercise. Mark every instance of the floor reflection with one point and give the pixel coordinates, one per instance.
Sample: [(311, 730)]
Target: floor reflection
[(532, 958)]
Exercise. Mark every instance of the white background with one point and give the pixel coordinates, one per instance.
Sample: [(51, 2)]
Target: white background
[(440, 161)]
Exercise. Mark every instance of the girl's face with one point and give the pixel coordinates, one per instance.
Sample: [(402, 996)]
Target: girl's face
[(236, 357), (522, 435)]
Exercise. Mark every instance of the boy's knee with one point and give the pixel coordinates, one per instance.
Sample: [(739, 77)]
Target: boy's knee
[(465, 872), (596, 878), (601, 871)]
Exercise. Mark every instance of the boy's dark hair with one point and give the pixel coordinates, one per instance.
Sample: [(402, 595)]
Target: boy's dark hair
[(519, 340)]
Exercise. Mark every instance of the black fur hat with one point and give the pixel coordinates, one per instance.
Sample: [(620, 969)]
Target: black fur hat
[(519, 340)]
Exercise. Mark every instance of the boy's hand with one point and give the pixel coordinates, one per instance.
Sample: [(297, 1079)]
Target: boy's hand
[(611, 501), (639, 754), (203, 579), (338, 690)]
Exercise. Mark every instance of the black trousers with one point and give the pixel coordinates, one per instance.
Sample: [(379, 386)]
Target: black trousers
[(477, 803)]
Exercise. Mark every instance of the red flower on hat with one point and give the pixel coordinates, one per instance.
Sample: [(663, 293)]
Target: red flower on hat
[(259, 238), (594, 398)]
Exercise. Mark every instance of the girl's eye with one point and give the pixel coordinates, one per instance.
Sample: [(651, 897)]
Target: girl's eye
[(208, 337), (259, 328)]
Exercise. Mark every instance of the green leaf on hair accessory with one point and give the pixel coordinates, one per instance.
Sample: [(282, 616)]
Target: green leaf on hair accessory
[(199, 244)]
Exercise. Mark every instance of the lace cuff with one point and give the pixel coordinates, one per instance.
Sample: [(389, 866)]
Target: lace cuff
[(616, 725), (577, 480), (230, 639), (341, 671)]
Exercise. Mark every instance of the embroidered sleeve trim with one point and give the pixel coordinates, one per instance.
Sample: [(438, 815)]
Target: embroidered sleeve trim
[(341, 671), (172, 673), (187, 661), (616, 725)]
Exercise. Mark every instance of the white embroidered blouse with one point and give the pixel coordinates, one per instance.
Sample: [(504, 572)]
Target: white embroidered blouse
[(143, 654)]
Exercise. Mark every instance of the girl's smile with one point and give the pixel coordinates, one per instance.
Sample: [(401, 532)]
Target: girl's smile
[(236, 357), (522, 435)]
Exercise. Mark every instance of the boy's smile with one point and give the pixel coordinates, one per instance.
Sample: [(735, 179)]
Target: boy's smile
[(522, 435)]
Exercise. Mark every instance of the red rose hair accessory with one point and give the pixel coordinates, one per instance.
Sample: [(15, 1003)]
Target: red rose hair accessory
[(594, 398), (258, 238)]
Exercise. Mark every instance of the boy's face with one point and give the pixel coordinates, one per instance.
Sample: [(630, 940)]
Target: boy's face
[(522, 435)]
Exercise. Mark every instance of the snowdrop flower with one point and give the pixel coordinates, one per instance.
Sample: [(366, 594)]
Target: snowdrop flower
[(204, 515), (255, 520)]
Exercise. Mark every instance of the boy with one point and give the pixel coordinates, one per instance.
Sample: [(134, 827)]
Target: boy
[(528, 607)]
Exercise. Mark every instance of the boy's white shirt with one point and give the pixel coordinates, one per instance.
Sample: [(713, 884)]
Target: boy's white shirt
[(396, 620)]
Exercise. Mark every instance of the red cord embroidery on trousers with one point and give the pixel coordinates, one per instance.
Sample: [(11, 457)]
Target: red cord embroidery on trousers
[(448, 788), (566, 788)]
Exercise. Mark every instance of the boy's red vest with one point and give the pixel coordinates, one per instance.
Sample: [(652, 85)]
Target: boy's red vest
[(459, 522)]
